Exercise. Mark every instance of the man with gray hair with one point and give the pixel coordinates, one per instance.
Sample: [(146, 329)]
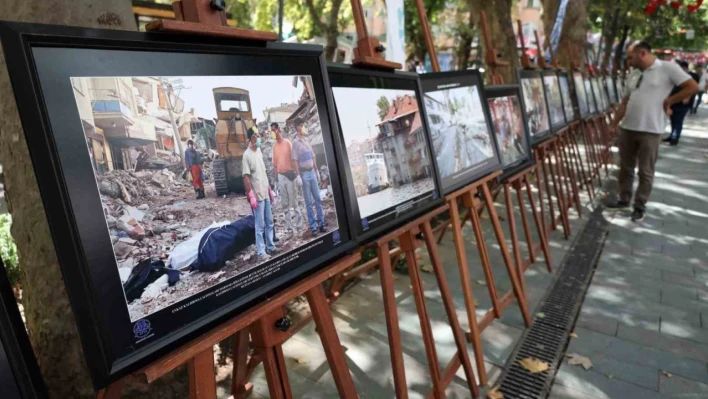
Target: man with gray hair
[(643, 114)]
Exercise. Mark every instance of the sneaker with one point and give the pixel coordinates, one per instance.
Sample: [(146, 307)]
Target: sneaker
[(666, 140), (263, 258), (637, 215), (314, 233), (673, 142), (617, 204), (323, 229), (272, 252)]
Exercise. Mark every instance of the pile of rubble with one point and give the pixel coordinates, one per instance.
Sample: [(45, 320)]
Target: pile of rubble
[(131, 187)]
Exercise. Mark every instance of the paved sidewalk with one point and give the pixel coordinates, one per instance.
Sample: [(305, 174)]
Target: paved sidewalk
[(644, 322)]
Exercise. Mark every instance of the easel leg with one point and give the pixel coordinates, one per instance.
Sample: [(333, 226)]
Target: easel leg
[(525, 221), (558, 191), (514, 237), (573, 172), (330, 342), (394, 332), (407, 245), (539, 184), (276, 373), (112, 391), (546, 181), (202, 378), (466, 288), (539, 227), (241, 388), (518, 292), (452, 316), (484, 257)]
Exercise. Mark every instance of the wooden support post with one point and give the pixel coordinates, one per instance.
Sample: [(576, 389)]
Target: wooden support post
[(520, 267), (241, 387), (369, 52)]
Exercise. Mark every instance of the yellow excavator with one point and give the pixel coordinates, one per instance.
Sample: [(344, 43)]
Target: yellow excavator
[(235, 117)]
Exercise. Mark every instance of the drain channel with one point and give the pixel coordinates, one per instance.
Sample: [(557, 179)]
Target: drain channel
[(547, 337)]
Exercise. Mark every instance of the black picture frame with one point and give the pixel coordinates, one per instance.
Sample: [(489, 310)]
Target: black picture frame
[(592, 100), (564, 80), (580, 95), (537, 117), (619, 88), (444, 81), (505, 91), (597, 93), (554, 101), (363, 229), (114, 346), (20, 377)]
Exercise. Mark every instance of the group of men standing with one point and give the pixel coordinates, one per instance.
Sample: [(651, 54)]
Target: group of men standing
[(296, 165)]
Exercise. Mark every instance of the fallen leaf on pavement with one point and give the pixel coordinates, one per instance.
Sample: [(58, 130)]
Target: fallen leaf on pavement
[(575, 359), (475, 303), (573, 335), (540, 315), (667, 374), (299, 361), (494, 393), (533, 365), (481, 282), (609, 376), (427, 268)]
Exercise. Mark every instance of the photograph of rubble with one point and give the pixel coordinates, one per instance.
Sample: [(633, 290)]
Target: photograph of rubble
[(567, 100), (580, 94), (203, 178), (555, 100), (386, 147), (505, 108), (535, 107), (592, 99), (460, 133)]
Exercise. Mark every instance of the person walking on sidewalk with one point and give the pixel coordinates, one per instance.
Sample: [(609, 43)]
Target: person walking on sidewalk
[(643, 119), (283, 163), (306, 168), (258, 192), (680, 109), (702, 87)]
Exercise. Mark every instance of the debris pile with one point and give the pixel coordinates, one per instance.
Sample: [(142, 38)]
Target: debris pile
[(131, 187)]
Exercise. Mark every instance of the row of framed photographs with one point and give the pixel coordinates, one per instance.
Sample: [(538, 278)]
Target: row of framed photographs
[(374, 150)]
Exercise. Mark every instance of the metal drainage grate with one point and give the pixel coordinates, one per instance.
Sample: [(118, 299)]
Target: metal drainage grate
[(546, 339)]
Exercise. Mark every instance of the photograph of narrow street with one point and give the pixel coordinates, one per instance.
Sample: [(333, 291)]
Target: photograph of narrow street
[(460, 135), (168, 156), (386, 146), (535, 106)]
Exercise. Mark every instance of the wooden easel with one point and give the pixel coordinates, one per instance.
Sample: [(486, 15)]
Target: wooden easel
[(408, 238), (197, 17), (199, 353)]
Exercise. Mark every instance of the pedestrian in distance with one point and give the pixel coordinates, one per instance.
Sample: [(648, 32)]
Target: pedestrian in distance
[(702, 87), (306, 168), (259, 194), (642, 119), (193, 161), (285, 168), (680, 109)]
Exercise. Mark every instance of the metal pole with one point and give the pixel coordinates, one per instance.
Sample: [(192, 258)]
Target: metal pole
[(280, 19)]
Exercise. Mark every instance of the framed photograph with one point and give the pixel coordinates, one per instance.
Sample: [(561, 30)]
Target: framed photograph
[(534, 104), (155, 159), (619, 88), (567, 98), (597, 93), (460, 130), (510, 127), (555, 100), (581, 96), (390, 171), (592, 97), (611, 92), (20, 377)]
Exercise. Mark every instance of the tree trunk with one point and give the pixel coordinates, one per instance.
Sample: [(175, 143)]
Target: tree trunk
[(619, 52), (50, 322), (550, 11), (332, 31), (575, 28), (501, 32), (610, 37), (465, 46)]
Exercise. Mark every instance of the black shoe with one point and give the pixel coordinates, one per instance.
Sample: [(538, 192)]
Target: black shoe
[(673, 142), (667, 140), (275, 251), (323, 230), (314, 233), (275, 238), (617, 205), (637, 215)]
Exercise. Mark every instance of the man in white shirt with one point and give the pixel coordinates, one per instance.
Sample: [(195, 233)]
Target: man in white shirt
[(643, 114), (702, 86)]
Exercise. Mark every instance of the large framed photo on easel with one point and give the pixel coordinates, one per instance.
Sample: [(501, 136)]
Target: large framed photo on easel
[(554, 99), (144, 147), (581, 96), (570, 114), (510, 127), (461, 133), (534, 103), (390, 171)]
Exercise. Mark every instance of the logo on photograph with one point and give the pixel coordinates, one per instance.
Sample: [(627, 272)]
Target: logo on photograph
[(364, 224), (435, 194), (335, 237), (142, 329)]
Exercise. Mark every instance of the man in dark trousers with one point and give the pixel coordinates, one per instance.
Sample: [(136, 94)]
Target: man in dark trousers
[(642, 114), (194, 165), (680, 109)]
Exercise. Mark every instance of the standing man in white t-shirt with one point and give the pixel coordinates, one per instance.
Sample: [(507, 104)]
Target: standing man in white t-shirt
[(643, 114)]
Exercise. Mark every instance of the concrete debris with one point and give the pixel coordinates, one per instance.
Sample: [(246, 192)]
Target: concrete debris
[(154, 289), (127, 240), (124, 273), (122, 250), (144, 207)]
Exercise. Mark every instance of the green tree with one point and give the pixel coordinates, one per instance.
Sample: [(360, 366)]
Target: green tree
[(383, 105), (311, 18), (8, 250), (415, 40), (240, 11)]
